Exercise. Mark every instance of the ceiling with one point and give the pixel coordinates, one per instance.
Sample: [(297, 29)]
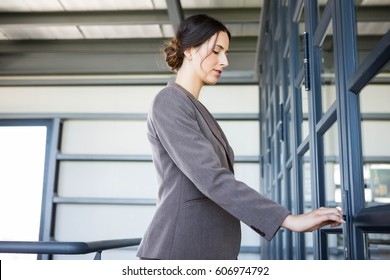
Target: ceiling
[(120, 41)]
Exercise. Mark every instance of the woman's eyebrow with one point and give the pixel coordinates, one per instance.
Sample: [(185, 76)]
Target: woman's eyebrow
[(220, 47)]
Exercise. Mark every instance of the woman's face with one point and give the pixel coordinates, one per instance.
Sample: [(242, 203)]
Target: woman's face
[(210, 58)]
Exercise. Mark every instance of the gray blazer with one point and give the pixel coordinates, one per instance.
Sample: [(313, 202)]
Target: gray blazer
[(200, 203)]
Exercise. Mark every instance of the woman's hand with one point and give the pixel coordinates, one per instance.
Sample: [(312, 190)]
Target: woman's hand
[(314, 220)]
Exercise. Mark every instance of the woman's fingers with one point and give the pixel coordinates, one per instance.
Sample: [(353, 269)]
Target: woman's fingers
[(325, 216), (314, 220), (330, 216)]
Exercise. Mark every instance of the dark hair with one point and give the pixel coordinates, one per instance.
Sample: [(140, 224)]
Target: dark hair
[(192, 32)]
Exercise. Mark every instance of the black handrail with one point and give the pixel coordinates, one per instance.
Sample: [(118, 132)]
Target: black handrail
[(374, 219), (66, 248)]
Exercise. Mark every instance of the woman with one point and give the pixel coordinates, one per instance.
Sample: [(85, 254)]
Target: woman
[(200, 203)]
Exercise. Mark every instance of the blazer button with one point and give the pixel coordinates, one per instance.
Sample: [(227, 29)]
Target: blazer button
[(258, 231)]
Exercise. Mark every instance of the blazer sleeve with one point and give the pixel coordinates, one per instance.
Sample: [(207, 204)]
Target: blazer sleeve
[(173, 119)]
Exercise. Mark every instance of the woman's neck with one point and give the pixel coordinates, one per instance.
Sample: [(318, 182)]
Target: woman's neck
[(191, 84)]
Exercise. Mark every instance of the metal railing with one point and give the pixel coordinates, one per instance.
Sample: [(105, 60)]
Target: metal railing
[(66, 248), (375, 219)]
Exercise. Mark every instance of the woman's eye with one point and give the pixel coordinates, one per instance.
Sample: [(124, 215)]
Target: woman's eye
[(216, 52)]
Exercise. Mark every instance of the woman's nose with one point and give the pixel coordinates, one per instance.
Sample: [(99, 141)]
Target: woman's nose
[(224, 61)]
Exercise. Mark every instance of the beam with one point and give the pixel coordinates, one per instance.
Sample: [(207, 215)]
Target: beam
[(141, 45), (371, 65), (370, 13), (175, 13), (29, 19), (95, 63), (228, 78), (129, 17)]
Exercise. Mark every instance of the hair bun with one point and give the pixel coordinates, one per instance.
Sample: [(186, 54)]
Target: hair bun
[(173, 54), (175, 44)]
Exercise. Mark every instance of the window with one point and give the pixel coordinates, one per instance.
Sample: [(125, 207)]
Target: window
[(22, 158)]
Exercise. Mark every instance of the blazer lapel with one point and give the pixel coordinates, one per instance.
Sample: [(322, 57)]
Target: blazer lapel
[(213, 125)]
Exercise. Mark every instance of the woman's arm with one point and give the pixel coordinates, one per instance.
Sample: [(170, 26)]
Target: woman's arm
[(314, 220)]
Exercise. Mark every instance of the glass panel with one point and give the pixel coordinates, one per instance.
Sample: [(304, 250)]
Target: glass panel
[(305, 114), (280, 156), (100, 222), (283, 192), (301, 28), (332, 184), (281, 234), (294, 211), (332, 167), (375, 127), (22, 159), (284, 255), (114, 99), (375, 114), (289, 134), (292, 192), (243, 136), (236, 99), (251, 241), (284, 85), (295, 245), (328, 92), (370, 31), (307, 199), (384, 76), (335, 246), (284, 202), (249, 173), (377, 184), (378, 246), (104, 137), (271, 119), (304, 96), (109, 179), (288, 75), (375, 98), (307, 182)]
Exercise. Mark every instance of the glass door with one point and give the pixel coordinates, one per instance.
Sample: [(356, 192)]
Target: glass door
[(325, 123)]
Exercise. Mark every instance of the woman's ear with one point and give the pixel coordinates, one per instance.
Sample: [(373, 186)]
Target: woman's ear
[(188, 54)]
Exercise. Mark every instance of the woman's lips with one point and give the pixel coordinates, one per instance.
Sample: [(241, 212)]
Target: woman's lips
[(218, 72)]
